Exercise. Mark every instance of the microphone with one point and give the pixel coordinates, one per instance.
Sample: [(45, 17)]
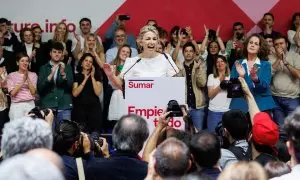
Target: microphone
[(132, 67), (123, 84), (169, 62)]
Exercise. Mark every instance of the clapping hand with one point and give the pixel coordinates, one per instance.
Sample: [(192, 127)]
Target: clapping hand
[(253, 73), (93, 72), (108, 69), (240, 69), (62, 67), (25, 76)]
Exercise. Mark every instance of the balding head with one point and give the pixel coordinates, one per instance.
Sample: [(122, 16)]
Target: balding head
[(47, 154), (29, 168), (172, 158), (130, 133)]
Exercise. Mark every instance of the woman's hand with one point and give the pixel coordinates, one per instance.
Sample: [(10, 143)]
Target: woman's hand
[(253, 74), (25, 76), (206, 30), (86, 76), (93, 72), (218, 31), (240, 69), (108, 69)]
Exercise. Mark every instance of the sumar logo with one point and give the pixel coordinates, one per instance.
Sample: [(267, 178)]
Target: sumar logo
[(141, 84)]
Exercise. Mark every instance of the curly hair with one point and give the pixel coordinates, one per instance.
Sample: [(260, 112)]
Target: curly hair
[(22, 32), (263, 51)]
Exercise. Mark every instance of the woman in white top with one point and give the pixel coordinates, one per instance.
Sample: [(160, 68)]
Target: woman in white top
[(294, 33), (117, 103), (218, 101), (147, 64)]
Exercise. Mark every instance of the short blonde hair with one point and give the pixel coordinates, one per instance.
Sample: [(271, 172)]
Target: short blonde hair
[(148, 28), (243, 170)]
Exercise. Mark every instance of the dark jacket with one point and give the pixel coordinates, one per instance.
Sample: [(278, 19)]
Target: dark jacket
[(9, 61), (57, 94), (121, 165), (70, 166)]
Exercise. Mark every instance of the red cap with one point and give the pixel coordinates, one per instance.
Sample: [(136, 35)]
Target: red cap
[(264, 130)]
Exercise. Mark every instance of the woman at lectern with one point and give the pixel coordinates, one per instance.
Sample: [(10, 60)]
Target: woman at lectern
[(148, 63)]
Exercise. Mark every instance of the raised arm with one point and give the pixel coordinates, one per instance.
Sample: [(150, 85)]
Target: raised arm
[(115, 80), (152, 141), (220, 41), (190, 35), (253, 108), (205, 40), (177, 48)]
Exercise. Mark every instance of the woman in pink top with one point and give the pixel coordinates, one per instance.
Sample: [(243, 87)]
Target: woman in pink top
[(21, 86)]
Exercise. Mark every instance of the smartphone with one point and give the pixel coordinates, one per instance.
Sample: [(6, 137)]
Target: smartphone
[(124, 17)]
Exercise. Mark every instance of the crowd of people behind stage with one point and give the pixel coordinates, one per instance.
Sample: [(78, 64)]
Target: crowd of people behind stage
[(241, 114)]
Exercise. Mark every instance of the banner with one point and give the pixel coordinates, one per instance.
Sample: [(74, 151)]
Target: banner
[(194, 13), (148, 97)]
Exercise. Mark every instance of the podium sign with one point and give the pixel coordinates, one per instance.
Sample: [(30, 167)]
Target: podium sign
[(148, 97)]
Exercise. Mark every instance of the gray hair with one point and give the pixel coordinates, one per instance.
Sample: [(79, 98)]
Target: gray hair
[(25, 134), (130, 133), (147, 28), (29, 168)]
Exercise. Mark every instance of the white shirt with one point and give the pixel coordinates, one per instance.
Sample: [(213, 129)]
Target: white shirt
[(29, 49), (257, 61), (158, 66), (291, 34), (220, 103)]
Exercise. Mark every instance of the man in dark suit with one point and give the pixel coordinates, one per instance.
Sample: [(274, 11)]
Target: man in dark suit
[(6, 57), (27, 46), (10, 38), (128, 137)]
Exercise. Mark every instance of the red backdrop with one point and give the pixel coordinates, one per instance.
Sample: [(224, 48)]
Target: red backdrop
[(195, 13)]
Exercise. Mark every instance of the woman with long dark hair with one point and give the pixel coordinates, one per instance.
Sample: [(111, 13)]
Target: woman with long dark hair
[(87, 88)]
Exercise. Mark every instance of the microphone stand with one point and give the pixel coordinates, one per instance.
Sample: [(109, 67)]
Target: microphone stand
[(123, 79)]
